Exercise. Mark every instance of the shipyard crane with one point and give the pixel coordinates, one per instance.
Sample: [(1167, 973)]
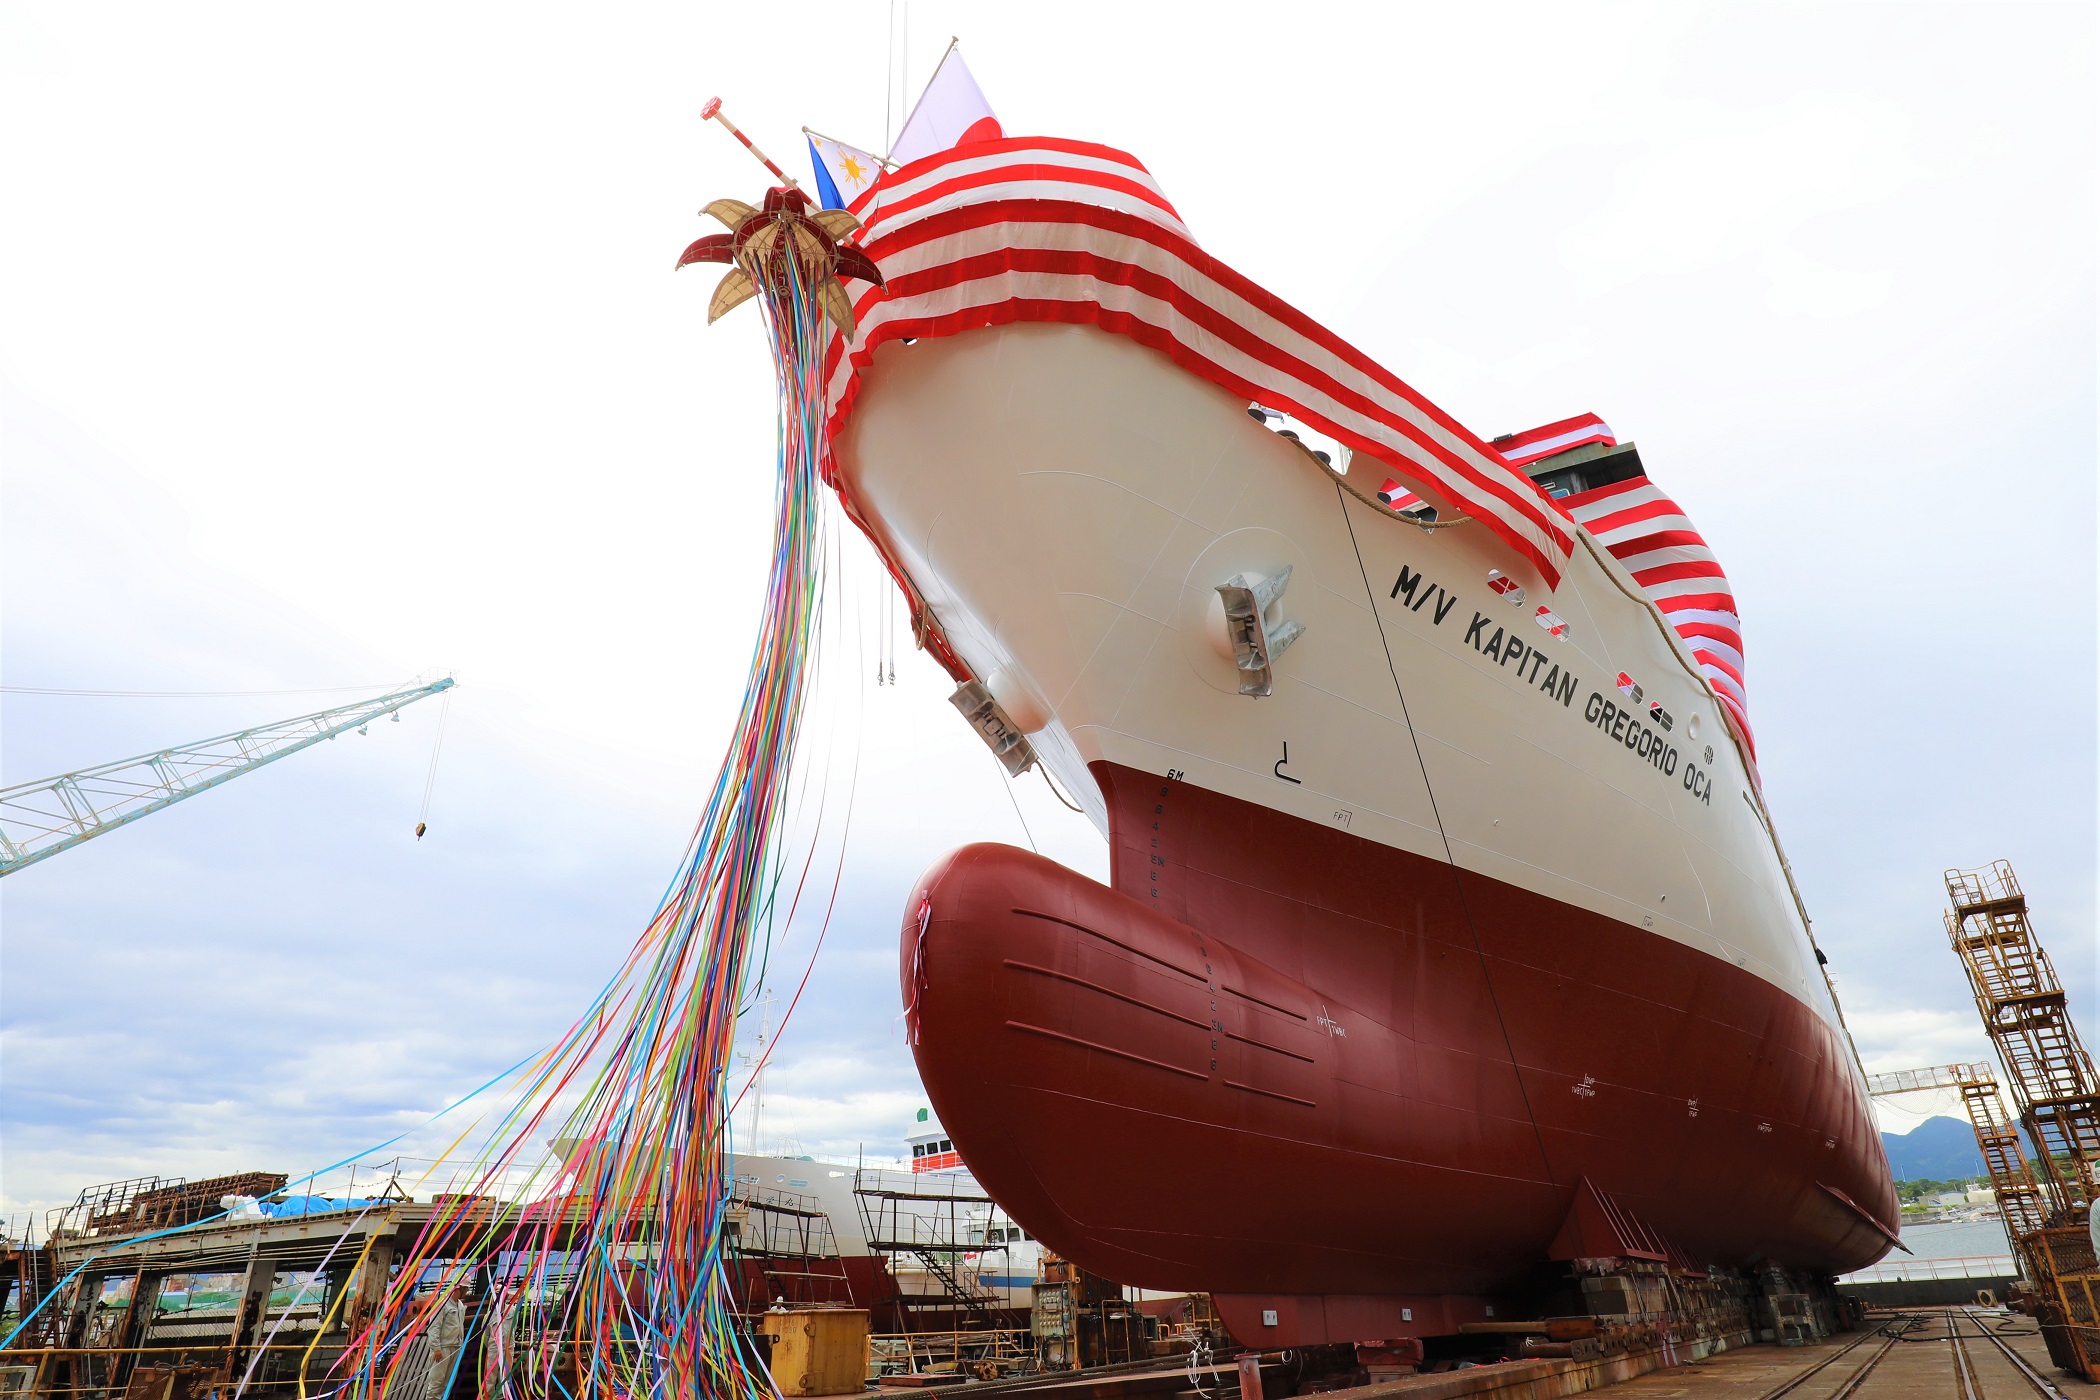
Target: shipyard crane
[(42, 818)]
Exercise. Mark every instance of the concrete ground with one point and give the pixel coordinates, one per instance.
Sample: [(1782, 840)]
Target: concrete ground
[(1923, 1365)]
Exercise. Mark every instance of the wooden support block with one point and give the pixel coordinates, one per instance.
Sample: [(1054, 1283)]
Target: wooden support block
[(819, 1351)]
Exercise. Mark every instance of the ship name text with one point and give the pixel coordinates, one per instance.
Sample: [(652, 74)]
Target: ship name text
[(1625, 727), (1530, 664), (1508, 649), (1533, 667), (1410, 584)]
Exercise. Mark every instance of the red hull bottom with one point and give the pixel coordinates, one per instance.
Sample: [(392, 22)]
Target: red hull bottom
[(1358, 1089)]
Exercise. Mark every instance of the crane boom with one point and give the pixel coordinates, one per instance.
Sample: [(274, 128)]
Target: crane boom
[(42, 818)]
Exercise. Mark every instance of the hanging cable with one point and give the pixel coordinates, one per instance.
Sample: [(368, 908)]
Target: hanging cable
[(430, 778), (889, 79), (882, 630), (1006, 786)]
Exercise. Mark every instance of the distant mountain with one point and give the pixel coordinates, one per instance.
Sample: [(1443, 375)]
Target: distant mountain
[(1938, 1149)]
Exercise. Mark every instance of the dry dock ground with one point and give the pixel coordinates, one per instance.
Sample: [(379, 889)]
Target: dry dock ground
[(1915, 1354), (1941, 1354)]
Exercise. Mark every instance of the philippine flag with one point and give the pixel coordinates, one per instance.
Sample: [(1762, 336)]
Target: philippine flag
[(846, 174), (951, 112)]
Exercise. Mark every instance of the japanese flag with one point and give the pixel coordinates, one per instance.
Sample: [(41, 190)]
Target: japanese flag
[(951, 112)]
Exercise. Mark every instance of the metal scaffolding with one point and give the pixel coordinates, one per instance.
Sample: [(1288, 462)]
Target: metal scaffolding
[(785, 1249), (2056, 1091), (1997, 1135), (2022, 1004), (931, 1223)]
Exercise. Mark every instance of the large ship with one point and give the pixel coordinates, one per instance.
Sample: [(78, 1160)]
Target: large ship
[(1447, 933)]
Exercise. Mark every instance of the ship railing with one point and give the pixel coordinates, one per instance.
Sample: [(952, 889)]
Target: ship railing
[(909, 1353), (1976, 1266), (101, 1206), (1905, 1081), (424, 1179), (926, 1186), (832, 1159), (1969, 888), (950, 1239), (766, 1221), (356, 1186), (773, 1198)]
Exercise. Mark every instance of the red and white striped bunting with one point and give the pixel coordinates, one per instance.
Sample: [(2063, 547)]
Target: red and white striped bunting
[(987, 172), (1522, 449), (1651, 535), (1033, 229), (1398, 496)]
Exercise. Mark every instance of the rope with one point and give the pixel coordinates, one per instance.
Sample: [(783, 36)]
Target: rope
[(1055, 793), (430, 777), (1380, 506), (1199, 1362)]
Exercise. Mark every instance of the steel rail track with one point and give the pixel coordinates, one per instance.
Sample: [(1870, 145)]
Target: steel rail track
[(1964, 1370), (1852, 1382), (1858, 1378), (2042, 1385)]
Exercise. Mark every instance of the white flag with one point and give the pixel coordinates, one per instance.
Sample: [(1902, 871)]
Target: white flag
[(950, 112)]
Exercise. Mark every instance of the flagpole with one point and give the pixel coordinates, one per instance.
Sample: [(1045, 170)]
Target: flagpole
[(713, 108), (922, 96)]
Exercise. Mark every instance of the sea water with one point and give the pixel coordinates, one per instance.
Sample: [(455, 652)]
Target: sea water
[(1945, 1249), (1957, 1239)]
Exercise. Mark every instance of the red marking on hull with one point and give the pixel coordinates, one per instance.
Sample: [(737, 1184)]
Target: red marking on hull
[(1280, 1060)]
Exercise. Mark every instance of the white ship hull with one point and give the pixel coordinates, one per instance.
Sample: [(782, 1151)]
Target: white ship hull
[(1523, 941)]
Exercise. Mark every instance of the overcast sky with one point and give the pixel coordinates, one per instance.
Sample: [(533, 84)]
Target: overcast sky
[(341, 344)]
